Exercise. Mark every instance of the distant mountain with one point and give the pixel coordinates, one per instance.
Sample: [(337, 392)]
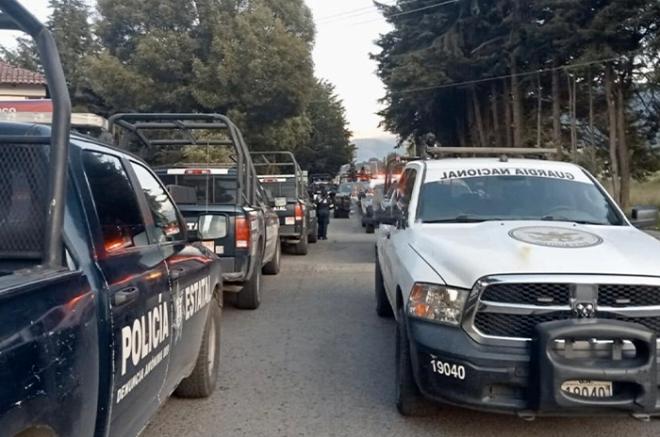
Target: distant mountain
[(368, 148)]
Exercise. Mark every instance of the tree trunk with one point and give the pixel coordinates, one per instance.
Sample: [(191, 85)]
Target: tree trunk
[(612, 125), (478, 120), (497, 129), (592, 132), (624, 155), (556, 109), (539, 112), (471, 125), (508, 116), (460, 131), (516, 101), (572, 99)]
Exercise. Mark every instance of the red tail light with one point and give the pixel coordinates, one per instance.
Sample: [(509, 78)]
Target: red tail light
[(299, 212), (242, 232)]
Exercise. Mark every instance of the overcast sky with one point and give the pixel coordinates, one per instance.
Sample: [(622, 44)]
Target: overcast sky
[(346, 31)]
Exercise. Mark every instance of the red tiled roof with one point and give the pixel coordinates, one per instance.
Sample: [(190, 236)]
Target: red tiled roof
[(11, 75)]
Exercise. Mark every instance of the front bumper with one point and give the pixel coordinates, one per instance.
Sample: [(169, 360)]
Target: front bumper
[(526, 380)]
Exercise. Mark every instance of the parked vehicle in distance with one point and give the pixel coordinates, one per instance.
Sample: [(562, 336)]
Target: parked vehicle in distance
[(224, 199), (283, 178), (371, 206), (518, 286), (343, 200), (106, 305)]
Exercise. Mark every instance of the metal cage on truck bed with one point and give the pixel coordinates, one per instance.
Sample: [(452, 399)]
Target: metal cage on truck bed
[(33, 161), (177, 131)]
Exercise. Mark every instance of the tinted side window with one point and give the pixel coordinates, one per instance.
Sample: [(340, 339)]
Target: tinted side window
[(115, 201), (164, 213), (406, 186), (410, 184)]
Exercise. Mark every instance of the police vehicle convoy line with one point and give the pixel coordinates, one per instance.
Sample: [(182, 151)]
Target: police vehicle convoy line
[(223, 203), (106, 306), (518, 286), (285, 181)]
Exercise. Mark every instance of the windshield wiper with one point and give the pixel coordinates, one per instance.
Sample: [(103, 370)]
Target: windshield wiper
[(550, 218), (463, 219)]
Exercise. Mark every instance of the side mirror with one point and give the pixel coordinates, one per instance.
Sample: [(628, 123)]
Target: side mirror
[(207, 227), (644, 217)]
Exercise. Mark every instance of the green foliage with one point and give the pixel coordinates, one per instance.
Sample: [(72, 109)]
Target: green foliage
[(24, 55), (249, 59), (329, 146), (433, 60), (72, 30)]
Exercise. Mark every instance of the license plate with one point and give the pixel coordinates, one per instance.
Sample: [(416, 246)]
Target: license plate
[(290, 221), (588, 389)]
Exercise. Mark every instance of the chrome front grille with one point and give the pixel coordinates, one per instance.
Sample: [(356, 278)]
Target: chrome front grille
[(506, 309)]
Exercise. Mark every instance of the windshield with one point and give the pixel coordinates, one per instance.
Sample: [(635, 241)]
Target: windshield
[(515, 198), (346, 188), (281, 188), (210, 190)]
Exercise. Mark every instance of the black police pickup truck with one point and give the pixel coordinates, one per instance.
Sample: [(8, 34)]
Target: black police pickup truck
[(106, 307), (282, 177), (223, 203)]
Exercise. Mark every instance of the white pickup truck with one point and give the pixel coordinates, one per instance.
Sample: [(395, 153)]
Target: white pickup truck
[(519, 287)]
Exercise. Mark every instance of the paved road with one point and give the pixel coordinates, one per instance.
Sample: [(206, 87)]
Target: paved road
[(316, 361)]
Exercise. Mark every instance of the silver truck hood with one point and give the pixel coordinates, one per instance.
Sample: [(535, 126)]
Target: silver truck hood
[(464, 253)]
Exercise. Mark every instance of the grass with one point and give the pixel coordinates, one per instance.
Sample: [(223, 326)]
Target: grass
[(647, 192)]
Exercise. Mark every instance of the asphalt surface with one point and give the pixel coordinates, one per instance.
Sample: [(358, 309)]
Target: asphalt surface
[(315, 360)]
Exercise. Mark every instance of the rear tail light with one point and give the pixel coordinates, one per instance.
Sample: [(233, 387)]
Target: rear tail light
[(299, 212), (243, 232)]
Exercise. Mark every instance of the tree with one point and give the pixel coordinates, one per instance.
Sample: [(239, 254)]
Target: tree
[(260, 71), (69, 23), (479, 72), (24, 55), (329, 146)]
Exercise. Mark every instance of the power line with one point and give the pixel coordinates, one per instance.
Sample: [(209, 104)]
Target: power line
[(347, 15), (508, 76), (370, 7), (412, 11)]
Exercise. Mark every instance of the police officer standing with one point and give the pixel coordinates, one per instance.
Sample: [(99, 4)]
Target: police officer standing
[(323, 207)]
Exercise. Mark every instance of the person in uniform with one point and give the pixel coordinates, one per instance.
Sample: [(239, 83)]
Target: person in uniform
[(323, 207)]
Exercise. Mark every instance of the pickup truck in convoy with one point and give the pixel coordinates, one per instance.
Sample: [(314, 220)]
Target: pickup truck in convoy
[(285, 181), (227, 201), (518, 286), (106, 305)]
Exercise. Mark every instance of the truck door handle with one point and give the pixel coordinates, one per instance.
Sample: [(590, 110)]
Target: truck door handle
[(175, 274), (127, 295)]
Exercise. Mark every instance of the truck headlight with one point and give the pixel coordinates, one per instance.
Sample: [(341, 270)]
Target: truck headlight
[(437, 303)]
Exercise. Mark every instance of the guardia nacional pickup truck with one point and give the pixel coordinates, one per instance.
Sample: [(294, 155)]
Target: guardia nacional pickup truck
[(518, 286), (106, 305)]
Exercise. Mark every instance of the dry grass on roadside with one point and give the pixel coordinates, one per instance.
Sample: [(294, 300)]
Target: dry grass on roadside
[(647, 192)]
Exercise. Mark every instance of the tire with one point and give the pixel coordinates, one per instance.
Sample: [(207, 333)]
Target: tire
[(273, 267), (202, 381), (383, 307), (371, 229), (314, 236), (249, 298), (302, 248), (409, 400)]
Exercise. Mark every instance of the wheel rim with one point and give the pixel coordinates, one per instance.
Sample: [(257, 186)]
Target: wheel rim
[(211, 346)]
